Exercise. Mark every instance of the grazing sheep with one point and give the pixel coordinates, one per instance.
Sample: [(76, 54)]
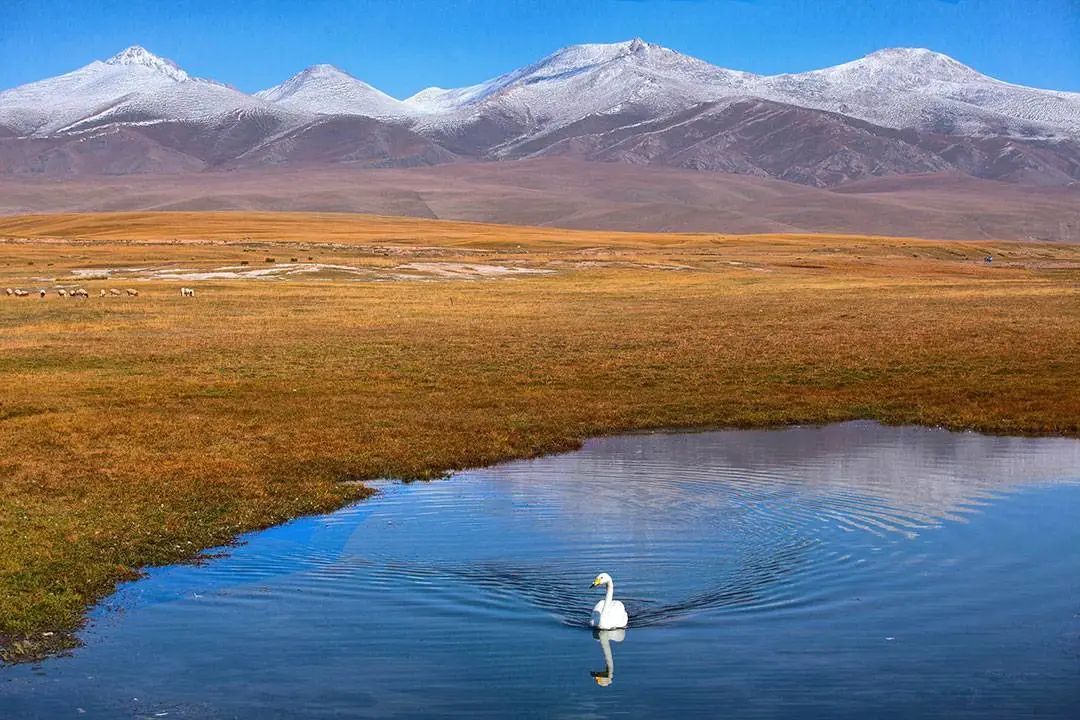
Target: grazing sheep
[(187, 292), (132, 292), (82, 293), (61, 292), (21, 293), (102, 293), (114, 292), (9, 292), (41, 293)]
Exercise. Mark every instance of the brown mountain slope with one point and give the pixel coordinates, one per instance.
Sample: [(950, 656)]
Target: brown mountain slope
[(117, 151), (172, 147), (744, 136), (750, 136), (346, 139)]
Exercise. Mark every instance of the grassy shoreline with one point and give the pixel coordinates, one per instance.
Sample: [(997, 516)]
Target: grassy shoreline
[(138, 431)]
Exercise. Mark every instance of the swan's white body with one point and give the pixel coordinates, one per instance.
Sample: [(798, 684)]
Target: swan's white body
[(609, 614)]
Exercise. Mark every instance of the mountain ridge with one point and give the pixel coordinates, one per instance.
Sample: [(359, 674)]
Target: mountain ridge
[(893, 111)]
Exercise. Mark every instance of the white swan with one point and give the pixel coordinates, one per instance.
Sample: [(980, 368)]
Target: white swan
[(608, 614)]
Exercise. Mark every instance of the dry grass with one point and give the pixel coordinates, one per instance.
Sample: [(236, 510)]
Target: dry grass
[(137, 431)]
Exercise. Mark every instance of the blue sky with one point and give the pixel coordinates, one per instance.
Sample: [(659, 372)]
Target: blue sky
[(402, 46)]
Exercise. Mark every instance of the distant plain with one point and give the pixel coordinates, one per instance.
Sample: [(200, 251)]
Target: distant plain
[(588, 195)]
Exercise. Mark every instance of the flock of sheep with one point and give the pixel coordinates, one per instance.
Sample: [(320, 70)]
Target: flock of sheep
[(80, 292)]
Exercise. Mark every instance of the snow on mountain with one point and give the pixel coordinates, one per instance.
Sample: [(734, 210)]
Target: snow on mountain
[(897, 88), (327, 90), (581, 80), (134, 86), (139, 56), (915, 87), (428, 98)]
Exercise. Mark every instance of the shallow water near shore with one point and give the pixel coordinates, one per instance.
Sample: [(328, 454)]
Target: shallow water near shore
[(850, 570)]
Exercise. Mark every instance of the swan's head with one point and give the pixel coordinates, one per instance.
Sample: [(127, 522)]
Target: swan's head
[(601, 579), (603, 679)]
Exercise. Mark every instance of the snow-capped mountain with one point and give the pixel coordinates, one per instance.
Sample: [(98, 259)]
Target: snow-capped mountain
[(582, 80), (132, 87), (896, 88), (585, 79), (324, 89), (919, 88), (895, 111)]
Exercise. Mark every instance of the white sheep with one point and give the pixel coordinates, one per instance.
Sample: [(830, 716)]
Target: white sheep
[(61, 292), (187, 292), (102, 293), (132, 292), (9, 292), (114, 292), (21, 293)]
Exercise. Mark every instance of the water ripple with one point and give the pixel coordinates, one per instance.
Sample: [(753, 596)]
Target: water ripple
[(819, 559)]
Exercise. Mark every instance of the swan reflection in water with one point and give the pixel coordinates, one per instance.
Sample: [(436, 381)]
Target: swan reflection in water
[(606, 676)]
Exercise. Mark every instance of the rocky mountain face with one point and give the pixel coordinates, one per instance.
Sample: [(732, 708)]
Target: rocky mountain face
[(896, 111)]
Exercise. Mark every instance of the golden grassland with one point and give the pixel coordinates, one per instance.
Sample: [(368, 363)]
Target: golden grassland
[(140, 430)]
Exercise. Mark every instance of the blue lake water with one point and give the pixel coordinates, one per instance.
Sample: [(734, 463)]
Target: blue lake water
[(847, 571)]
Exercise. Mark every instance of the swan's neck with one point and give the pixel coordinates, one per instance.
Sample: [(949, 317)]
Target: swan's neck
[(610, 594), (605, 646)]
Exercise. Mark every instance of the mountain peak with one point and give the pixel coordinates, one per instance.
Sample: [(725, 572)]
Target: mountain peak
[(927, 64), (909, 52), (578, 58), (324, 69), (318, 76), (604, 52), (139, 56), (327, 89)]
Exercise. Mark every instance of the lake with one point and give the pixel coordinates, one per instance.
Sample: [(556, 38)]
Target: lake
[(845, 571)]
